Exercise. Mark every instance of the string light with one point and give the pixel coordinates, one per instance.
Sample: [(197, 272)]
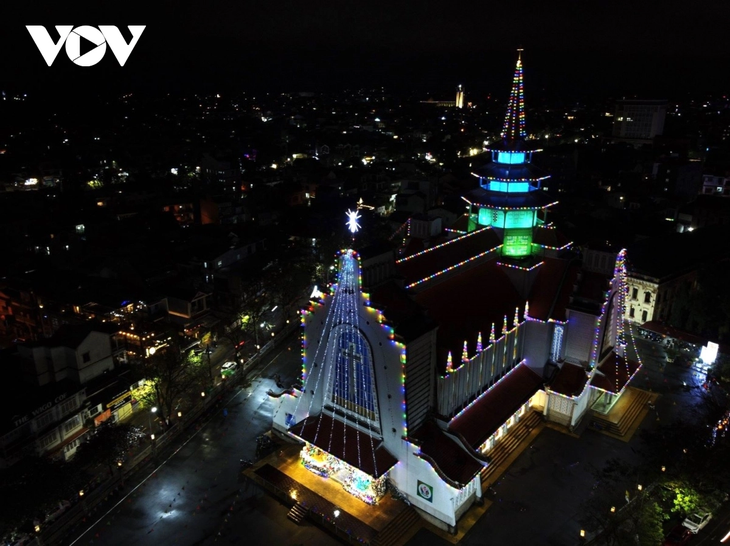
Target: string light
[(520, 267), (431, 249), (505, 376), (452, 267), (514, 121)]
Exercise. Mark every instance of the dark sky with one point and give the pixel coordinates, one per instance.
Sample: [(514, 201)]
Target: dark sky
[(572, 47)]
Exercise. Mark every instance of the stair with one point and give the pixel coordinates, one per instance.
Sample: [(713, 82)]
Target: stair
[(504, 448), (397, 531), (297, 513), (620, 427)]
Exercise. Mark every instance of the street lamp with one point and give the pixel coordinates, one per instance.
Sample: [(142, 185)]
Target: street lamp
[(153, 410), (202, 394), (179, 414), (639, 487)]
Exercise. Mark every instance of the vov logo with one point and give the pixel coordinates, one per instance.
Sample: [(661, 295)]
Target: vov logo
[(98, 37)]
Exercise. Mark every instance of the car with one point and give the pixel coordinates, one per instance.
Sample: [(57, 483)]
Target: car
[(62, 507), (228, 368), (695, 522), (678, 536)]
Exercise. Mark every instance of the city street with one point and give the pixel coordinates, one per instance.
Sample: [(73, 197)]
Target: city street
[(195, 495)]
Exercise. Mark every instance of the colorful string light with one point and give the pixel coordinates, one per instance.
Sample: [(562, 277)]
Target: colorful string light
[(452, 267), (431, 249), (514, 121)]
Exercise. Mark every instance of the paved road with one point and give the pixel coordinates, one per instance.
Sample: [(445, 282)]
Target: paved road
[(196, 495)]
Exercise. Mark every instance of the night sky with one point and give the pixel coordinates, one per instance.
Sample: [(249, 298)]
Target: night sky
[(573, 48)]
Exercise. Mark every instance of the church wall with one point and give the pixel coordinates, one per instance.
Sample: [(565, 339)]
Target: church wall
[(560, 409), (581, 405), (536, 341), (308, 402), (388, 370), (413, 472), (420, 372), (579, 336), (457, 388)]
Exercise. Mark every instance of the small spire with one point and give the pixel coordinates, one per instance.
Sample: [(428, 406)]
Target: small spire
[(479, 343), (465, 354), (527, 309), (492, 337), (516, 321), (514, 121), (449, 364), (504, 326)]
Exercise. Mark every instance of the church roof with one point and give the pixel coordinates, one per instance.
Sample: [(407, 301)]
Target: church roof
[(450, 461), (355, 447), (614, 373), (437, 258), (486, 414), (468, 303), (550, 238), (570, 380), (552, 289), (499, 200)]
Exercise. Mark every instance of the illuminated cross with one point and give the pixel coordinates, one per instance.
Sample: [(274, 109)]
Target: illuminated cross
[(352, 221), (352, 353)]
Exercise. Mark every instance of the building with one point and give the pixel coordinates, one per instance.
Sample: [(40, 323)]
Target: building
[(639, 121), (459, 97), (415, 369), (717, 185), (49, 410)]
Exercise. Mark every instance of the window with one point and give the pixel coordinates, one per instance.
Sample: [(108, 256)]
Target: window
[(647, 297), (632, 312), (557, 343), (47, 440), (634, 293), (71, 424), (643, 316), (44, 420), (86, 357)]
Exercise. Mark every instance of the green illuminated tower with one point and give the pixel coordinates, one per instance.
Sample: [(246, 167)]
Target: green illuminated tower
[(509, 198)]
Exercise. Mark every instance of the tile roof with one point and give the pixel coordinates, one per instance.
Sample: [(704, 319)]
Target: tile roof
[(552, 289), (614, 373), (570, 380), (549, 237), (348, 444), (469, 303), (453, 252), (445, 455), (489, 412)]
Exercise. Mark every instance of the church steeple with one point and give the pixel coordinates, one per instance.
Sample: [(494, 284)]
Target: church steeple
[(514, 120)]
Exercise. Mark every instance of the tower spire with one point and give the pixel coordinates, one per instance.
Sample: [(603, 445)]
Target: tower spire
[(514, 121)]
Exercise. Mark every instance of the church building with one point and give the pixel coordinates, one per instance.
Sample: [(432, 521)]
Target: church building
[(416, 366)]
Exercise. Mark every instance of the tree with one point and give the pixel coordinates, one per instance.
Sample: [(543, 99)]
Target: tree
[(107, 446), (31, 489), (168, 375)]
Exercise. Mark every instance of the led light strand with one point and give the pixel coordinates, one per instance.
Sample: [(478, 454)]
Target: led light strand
[(466, 408), (431, 249), (520, 267), (452, 267)]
